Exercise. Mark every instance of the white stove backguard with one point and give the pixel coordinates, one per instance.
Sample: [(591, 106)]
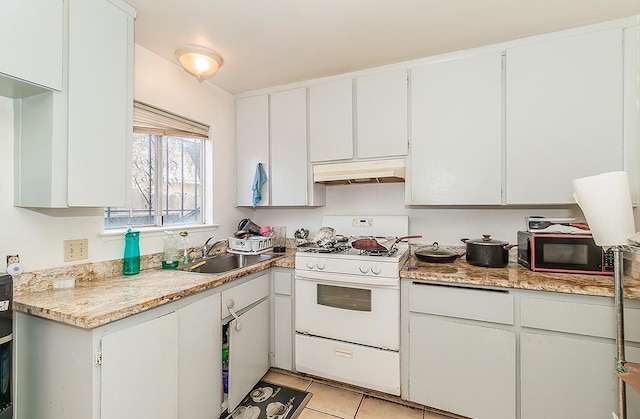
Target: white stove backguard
[(368, 225)]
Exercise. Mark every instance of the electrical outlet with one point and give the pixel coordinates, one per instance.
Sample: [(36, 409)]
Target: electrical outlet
[(12, 259), (75, 249)]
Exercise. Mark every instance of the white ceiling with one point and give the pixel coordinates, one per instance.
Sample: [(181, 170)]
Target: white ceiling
[(271, 42)]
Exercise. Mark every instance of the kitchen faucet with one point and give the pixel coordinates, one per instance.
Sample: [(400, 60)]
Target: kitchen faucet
[(206, 248)]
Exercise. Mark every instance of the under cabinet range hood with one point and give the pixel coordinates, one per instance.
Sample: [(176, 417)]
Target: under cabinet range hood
[(376, 171)]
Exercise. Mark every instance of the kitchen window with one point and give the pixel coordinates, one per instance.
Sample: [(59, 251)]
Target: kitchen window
[(167, 171)]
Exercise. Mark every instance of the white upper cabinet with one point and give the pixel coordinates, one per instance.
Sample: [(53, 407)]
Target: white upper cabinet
[(73, 148), (100, 103), (381, 109), (331, 121), (31, 41), (252, 147), (291, 182), (456, 129), (564, 114), (272, 130)]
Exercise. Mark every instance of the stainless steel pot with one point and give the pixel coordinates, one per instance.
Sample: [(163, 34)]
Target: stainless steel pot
[(488, 252)]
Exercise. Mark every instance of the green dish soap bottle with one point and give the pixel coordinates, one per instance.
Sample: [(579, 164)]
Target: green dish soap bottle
[(131, 263), (170, 255)]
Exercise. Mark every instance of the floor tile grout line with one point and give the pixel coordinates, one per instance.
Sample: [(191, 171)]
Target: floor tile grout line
[(359, 404)]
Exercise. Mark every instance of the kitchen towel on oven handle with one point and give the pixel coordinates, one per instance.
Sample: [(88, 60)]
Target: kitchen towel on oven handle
[(259, 180)]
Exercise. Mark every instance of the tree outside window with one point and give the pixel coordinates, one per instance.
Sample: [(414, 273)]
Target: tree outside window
[(166, 194)]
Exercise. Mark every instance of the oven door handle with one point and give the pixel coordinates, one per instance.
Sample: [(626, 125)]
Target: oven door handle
[(347, 280)]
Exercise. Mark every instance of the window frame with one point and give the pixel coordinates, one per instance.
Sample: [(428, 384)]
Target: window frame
[(150, 120)]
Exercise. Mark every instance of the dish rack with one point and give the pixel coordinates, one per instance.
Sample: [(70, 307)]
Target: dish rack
[(253, 245)]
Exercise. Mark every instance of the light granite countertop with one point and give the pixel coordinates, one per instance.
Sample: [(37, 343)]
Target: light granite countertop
[(100, 301), (97, 302), (518, 277)]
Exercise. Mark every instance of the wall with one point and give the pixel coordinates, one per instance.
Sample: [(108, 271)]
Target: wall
[(444, 225), (37, 234)]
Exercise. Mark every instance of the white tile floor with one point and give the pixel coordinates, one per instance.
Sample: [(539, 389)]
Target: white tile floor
[(331, 400)]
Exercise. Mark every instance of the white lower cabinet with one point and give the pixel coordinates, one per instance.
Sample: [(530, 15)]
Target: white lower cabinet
[(282, 320), (571, 377), (163, 363), (199, 366), (466, 369), (568, 356), (143, 356), (245, 308), (516, 354), (462, 351)]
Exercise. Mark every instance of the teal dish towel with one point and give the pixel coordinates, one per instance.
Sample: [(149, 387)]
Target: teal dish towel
[(259, 180)]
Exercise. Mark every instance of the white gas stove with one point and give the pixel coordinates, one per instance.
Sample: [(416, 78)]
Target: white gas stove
[(348, 305), (344, 259)]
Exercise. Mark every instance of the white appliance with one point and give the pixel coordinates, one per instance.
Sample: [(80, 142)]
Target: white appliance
[(347, 312)]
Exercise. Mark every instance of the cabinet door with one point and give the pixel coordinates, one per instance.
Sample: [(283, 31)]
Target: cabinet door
[(31, 33), (248, 352), (382, 114), (282, 325), (199, 366), (571, 377), (564, 114), (140, 371), (331, 121), (252, 147), (462, 368), (100, 103), (456, 130), (289, 164)]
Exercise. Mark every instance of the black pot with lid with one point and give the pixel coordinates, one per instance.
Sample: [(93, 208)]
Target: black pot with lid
[(488, 252)]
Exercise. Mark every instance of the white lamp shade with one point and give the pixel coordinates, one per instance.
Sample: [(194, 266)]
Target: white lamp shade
[(199, 61)]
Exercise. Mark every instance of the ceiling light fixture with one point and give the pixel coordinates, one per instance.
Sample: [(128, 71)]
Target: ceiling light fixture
[(200, 61)]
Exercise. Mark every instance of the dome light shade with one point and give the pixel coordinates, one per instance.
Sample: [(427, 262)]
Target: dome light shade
[(200, 61)]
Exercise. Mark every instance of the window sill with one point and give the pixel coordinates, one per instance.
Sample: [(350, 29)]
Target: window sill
[(157, 230)]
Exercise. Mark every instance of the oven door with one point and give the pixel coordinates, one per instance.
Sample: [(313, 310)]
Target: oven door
[(355, 309)]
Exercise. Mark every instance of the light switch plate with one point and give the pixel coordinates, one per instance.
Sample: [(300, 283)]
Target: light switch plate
[(76, 250)]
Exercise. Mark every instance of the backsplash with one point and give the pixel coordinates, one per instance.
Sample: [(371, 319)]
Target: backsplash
[(87, 272)]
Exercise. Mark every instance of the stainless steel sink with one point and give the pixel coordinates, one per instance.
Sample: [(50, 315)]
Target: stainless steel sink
[(224, 263)]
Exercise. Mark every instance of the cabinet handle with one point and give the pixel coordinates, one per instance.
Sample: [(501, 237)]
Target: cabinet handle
[(230, 304), (345, 353)]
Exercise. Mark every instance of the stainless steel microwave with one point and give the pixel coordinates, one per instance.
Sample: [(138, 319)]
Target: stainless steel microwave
[(568, 253)]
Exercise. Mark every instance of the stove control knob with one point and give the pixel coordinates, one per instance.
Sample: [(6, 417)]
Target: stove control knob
[(364, 269), (310, 264), (320, 265), (376, 270)]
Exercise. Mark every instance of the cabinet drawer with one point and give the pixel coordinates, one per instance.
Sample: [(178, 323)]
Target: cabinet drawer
[(349, 363), (245, 294), (579, 318), (465, 303)]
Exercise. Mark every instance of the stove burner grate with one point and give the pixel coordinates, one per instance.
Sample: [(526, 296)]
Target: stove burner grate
[(328, 249), (381, 253)]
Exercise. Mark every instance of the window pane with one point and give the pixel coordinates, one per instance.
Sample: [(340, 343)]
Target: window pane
[(182, 187), (142, 183), (180, 183)]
